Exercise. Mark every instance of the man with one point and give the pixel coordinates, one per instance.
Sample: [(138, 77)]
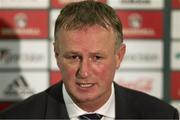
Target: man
[(89, 49)]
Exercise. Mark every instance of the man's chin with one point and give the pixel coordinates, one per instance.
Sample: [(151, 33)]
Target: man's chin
[(84, 99)]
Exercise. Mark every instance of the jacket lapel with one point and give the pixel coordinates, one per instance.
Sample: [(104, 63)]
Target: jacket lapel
[(55, 104), (123, 103)]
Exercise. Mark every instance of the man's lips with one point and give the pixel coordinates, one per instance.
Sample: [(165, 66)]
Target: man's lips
[(86, 85)]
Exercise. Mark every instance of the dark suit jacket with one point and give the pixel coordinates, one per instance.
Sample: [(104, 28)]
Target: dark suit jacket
[(129, 104)]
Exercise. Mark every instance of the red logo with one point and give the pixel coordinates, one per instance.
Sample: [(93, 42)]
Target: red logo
[(24, 24), (140, 24)]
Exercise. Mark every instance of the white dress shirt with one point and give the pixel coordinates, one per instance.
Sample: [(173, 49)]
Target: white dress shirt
[(107, 110)]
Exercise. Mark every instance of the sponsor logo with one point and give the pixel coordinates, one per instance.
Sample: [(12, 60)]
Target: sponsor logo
[(143, 85), (21, 22), (8, 57), (149, 82), (135, 20), (19, 86), (145, 57), (135, 23)]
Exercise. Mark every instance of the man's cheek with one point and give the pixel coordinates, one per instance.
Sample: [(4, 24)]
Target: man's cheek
[(104, 71), (101, 70), (68, 75), (69, 72)]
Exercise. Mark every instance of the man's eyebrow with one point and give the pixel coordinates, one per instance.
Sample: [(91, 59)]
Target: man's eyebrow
[(99, 52), (96, 53), (72, 52)]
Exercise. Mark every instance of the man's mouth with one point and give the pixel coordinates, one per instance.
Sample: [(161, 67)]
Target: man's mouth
[(85, 85)]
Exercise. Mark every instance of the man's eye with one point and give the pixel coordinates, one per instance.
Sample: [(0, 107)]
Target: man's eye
[(74, 57), (95, 58)]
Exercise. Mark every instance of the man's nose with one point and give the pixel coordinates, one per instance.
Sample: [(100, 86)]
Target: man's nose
[(83, 71)]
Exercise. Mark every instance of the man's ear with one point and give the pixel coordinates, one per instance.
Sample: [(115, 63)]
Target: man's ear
[(56, 52), (120, 54)]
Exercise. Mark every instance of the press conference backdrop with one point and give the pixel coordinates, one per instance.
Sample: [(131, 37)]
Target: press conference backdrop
[(151, 33)]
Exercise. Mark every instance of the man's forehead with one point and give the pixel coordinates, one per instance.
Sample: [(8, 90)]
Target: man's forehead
[(86, 28)]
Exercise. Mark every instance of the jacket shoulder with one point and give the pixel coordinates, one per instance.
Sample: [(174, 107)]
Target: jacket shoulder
[(32, 107), (146, 106)]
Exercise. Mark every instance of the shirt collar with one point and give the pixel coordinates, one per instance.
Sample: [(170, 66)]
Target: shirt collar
[(107, 110)]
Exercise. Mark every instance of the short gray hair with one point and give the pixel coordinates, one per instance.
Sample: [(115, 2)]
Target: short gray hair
[(87, 13)]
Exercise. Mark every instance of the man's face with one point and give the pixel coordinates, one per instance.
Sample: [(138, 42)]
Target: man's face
[(88, 61)]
